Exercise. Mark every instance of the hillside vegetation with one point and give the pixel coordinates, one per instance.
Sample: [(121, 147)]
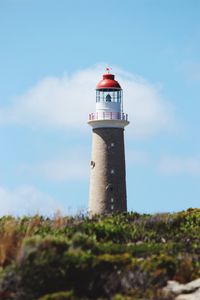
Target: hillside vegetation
[(122, 256)]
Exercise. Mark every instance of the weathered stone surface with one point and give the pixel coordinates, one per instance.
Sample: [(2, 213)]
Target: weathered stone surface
[(188, 291), (191, 296)]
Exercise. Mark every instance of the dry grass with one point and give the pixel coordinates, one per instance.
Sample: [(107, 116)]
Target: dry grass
[(10, 242), (12, 233)]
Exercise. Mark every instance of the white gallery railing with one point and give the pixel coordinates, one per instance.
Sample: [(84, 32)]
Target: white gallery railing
[(108, 116)]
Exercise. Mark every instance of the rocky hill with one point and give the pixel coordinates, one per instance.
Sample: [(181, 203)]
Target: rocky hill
[(122, 256)]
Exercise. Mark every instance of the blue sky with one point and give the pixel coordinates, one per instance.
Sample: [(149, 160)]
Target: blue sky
[(52, 54)]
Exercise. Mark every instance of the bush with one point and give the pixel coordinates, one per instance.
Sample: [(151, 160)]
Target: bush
[(59, 296), (124, 255)]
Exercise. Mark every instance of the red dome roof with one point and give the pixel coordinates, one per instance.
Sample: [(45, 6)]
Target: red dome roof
[(108, 82)]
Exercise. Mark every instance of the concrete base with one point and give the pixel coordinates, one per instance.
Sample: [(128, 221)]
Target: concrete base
[(108, 176)]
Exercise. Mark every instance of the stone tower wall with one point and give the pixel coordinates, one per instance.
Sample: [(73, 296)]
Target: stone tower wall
[(108, 176)]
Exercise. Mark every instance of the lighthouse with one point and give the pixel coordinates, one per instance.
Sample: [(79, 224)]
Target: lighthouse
[(108, 174)]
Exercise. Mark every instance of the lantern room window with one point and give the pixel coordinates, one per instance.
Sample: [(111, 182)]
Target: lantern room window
[(108, 98), (109, 95)]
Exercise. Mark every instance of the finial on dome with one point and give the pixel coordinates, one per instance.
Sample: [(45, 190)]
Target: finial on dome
[(108, 70)]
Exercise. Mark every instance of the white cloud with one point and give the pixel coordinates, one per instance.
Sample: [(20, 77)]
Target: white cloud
[(72, 166), (176, 165), (27, 200), (65, 102)]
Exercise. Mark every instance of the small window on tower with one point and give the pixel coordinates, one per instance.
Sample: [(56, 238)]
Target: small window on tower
[(109, 187), (92, 163), (112, 200), (112, 207), (112, 171), (112, 144)]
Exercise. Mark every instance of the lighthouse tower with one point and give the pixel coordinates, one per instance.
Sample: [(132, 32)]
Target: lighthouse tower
[(108, 174)]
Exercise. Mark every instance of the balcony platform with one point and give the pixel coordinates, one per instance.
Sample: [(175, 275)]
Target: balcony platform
[(108, 120)]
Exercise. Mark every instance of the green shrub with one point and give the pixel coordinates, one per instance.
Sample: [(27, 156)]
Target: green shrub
[(59, 296), (123, 255)]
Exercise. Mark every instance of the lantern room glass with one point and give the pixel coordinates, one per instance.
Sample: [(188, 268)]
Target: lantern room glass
[(108, 95)]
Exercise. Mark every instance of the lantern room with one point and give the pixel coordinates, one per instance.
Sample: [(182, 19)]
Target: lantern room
[(108, 95), (108, 90), (109, 103)]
